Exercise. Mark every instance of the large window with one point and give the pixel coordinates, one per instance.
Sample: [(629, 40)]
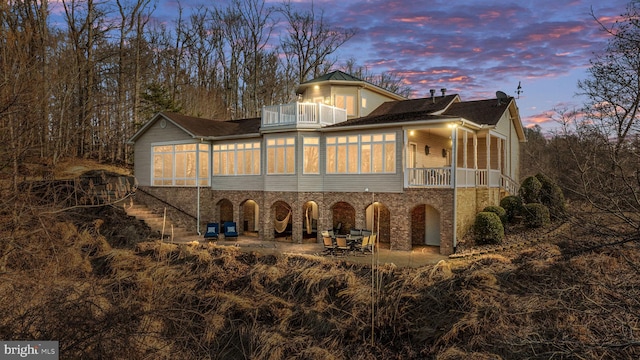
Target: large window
[(361, 154), (281, 157), (311, 155), (236, 159), (180, 164)]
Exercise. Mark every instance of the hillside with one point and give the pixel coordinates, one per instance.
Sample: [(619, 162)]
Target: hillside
[(95, 280)]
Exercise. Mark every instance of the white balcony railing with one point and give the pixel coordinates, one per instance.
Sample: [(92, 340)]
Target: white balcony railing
[(441, 177), (302, 114)]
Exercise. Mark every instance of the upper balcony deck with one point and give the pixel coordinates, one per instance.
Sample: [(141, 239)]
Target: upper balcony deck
[(302, 115)]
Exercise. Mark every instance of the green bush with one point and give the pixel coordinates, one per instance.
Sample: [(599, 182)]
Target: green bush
[(536, 215), (512, 205), (551, 195), (530, 190), (488, 228), (498, 210)]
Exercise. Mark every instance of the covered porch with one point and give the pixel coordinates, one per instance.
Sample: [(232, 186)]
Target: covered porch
[(448, 155)]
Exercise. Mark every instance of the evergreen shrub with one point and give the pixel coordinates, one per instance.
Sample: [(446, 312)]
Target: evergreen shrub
[(536, 215), (488, 228)]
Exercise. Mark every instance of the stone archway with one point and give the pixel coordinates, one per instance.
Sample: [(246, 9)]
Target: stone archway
[(343, 217), (225, 210), (250, 217), (281, 217), (378, 220), (310, 220)]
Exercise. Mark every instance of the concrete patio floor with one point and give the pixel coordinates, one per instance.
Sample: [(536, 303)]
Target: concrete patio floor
[(417, 257)]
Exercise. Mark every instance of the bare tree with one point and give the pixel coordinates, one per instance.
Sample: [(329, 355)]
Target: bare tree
[(310, 41), (604, 141)]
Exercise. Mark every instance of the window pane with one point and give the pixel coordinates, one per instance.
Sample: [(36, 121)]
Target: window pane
[(352, 160), (377, 137), (167, 166), (365, 161), (280, 160), (157, 167), (216, 162), (331, 159), (390, 157), (377, 158), (240, 155), (191, 165), (230, 163), (342, 159), (291, 160), (256, 162), (311, 159)]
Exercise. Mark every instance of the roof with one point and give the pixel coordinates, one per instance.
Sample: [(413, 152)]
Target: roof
[(390, 112), (204, 128), (482, 112), (335, 75)]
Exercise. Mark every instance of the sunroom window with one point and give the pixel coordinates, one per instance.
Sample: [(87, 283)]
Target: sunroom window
[(180, 164), (281, 158), (311, 155), (361, 154), (236, 159)]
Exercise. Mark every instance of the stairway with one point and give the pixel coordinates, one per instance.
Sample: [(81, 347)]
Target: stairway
[(155, 220)]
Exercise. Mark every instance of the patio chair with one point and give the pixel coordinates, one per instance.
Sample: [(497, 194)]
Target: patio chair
[(230, 229), (342, 245), (213, 230), (329, 246), (365, 245)]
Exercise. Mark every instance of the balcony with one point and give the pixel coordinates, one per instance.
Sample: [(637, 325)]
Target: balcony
[(302, 115)]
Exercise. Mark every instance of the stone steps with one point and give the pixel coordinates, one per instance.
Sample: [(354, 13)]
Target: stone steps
[(155, 221)]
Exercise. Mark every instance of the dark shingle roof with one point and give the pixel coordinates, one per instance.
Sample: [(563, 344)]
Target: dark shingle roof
[(200, 127), (404, 111), (482, 112)]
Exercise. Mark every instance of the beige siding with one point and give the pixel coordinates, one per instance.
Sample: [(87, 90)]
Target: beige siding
[(506, 127)]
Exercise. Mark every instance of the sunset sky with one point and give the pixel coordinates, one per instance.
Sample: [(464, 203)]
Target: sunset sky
[(472, 48)]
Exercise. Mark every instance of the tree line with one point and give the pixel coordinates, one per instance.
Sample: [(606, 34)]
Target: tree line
[(80, 83)]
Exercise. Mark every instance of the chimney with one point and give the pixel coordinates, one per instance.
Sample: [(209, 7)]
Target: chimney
[(444, 91), (433, 94)]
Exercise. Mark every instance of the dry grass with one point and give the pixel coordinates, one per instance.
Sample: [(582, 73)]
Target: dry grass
[(70, 279)]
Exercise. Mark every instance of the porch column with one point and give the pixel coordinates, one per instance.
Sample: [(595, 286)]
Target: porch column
[(405, 147), (475, 151), (488, 144)]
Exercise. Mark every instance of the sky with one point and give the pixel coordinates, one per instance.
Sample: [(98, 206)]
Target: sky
[(472, 48)]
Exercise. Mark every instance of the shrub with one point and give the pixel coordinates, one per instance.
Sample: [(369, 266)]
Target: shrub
[(498, 210), (512, 205), (530, 190), (551, 195), (536, 215), (488, 228)]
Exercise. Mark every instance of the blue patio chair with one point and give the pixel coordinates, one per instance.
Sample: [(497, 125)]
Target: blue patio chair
[(230, 229), (213, 230)]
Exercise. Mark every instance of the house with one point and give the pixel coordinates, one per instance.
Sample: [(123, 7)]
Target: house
[(347, 154)]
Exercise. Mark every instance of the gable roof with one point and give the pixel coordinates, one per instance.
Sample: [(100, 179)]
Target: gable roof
[(203, 128)]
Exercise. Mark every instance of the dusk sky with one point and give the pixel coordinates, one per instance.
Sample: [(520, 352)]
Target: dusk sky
[(472, 48)]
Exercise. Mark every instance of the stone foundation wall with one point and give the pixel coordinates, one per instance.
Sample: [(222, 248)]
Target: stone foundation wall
[(400, 222)]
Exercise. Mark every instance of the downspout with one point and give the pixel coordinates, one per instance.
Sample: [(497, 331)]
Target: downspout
[(198, 189), (454, 182)]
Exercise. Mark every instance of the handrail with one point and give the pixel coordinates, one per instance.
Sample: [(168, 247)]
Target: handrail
[(168, 204)]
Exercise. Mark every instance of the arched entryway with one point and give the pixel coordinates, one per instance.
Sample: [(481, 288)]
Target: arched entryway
[(378, 220), (425, 226), (343, 217), (281, 218), (225, 210), (250, 217), (310, 220)]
